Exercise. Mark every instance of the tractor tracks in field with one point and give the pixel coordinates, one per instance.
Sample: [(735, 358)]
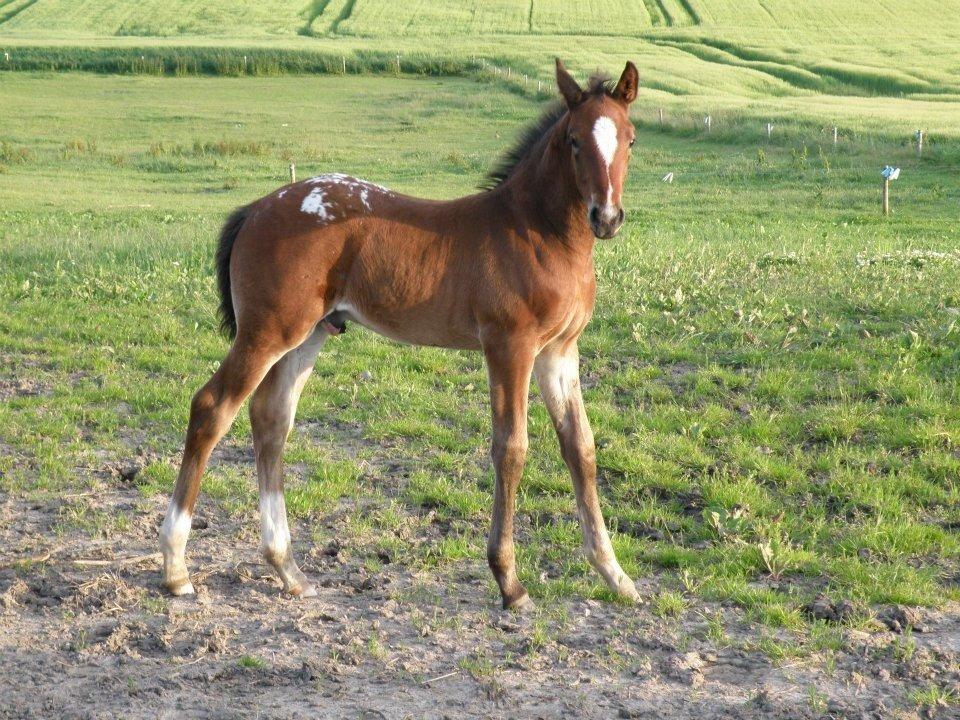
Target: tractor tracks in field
[(318, 20), (311, 14), (822, 76), (9, 9), (345, 13), (671, 13)]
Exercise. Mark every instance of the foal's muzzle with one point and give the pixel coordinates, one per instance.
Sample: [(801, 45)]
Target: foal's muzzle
[(605, 224)]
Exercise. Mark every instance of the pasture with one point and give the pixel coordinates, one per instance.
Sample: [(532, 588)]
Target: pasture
[(885, 66), (770, 373)]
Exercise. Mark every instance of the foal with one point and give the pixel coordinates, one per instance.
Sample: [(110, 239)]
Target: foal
[(508, 271)]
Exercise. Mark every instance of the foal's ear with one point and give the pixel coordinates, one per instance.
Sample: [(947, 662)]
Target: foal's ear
[(626, 90), (572, 94)]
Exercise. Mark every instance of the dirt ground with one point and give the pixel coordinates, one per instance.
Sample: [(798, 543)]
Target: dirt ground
[(85, 632)]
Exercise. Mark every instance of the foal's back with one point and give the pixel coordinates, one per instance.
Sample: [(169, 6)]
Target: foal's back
[(419, 271)]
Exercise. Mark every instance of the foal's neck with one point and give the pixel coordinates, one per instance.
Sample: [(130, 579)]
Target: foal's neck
[(544, 193)]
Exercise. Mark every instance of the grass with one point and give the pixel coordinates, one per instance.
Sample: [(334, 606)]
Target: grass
[(770, 371), (251, 662), (934, 697), (773, 60)]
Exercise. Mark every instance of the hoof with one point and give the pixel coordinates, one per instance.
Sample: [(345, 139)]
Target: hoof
[(628, 591), (522, 604), (178, 588), (302, 591)]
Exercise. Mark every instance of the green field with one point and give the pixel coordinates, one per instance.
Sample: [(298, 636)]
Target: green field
[(772, 363), (888, 65)]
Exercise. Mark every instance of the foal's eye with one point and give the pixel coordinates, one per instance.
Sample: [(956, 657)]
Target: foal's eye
[(632, 141)]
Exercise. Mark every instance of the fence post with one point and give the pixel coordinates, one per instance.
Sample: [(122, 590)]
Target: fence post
[(398, 64), (834, 135), (708, 121), (293, 173), (344, 61), (919, 143), (889, 173), (660, 113), (769, 130)]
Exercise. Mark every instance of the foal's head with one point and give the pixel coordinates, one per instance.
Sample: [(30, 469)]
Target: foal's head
[(599, 135)]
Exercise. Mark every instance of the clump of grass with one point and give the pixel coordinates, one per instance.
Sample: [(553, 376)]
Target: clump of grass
[(208, 148), (11, 154), (934, 696), (251, 662), (78, 147), (669, 604)]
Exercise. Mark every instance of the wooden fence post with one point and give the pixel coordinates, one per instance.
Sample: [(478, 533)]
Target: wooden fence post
[(919, 143), (293, 173), (708, 121), (769, 130), (660, 113), (834, 135)]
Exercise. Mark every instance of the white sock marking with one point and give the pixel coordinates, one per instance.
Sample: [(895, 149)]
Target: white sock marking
[(275, 534), (176, 529)]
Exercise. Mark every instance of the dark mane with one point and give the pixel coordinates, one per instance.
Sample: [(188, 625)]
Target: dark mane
[(598, 85)]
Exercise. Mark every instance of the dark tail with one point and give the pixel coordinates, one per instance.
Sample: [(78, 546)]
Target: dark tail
[(231, 228)]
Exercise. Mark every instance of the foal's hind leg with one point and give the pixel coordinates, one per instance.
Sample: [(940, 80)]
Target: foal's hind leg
[(212, 411), (272, 410), (558, 374)]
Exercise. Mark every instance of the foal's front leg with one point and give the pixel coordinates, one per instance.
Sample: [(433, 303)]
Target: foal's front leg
[(509, 363), (558, 375)]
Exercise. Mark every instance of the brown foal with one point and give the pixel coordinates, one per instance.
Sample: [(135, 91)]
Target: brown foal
[(508, 271)]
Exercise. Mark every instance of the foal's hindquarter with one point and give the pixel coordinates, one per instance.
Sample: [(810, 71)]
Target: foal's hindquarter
[(475, 273)]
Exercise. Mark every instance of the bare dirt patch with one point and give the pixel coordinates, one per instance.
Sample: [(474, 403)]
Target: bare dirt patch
[(85, 632)]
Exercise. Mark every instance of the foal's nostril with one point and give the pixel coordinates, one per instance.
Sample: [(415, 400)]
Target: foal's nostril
[(594, 215)]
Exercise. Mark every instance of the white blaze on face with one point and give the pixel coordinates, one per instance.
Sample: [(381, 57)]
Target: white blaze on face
[(274, 533), (605, 136)]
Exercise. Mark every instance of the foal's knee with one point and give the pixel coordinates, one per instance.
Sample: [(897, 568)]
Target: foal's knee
[(203, 411), (500, 557), (509, 453), (268, 415)]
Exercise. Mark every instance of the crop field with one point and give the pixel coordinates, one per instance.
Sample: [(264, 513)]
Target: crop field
[(770, 374), (886, 67), (771, 370), (628, 18)]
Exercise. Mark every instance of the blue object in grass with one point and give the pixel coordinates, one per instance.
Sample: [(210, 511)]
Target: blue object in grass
[(890, 173)]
